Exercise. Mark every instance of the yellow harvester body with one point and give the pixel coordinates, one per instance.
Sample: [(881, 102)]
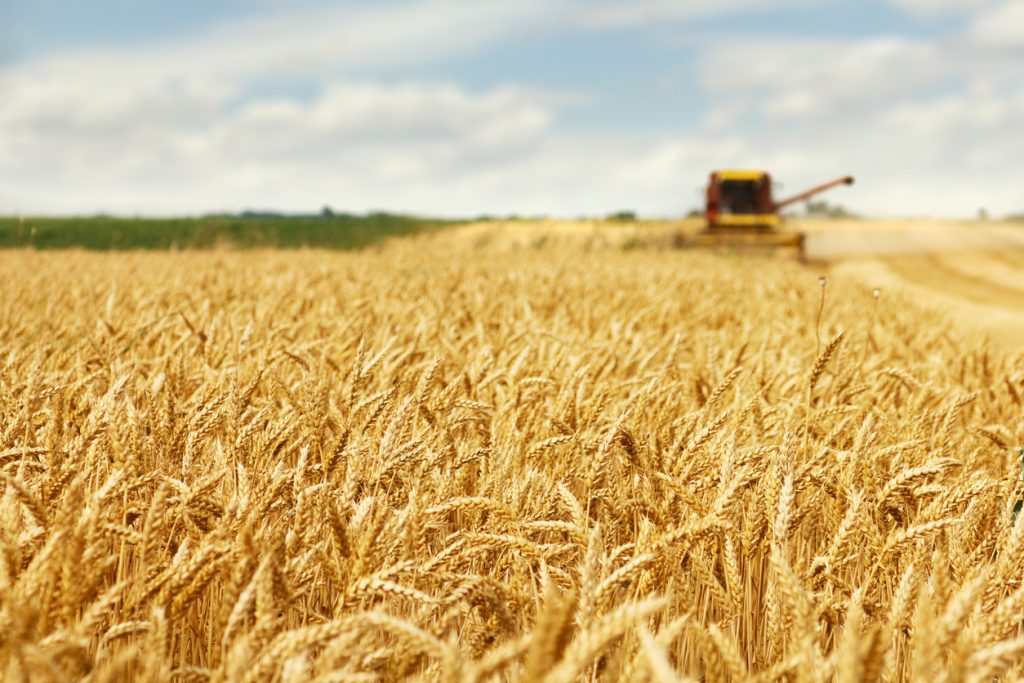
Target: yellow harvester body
[(742, 212)]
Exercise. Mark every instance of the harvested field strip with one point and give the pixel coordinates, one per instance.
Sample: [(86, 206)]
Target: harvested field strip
[(977, 277)]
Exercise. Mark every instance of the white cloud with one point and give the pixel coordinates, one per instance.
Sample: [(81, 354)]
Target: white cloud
[(317, 41), (184, 125), (615, 13), (356, 144), (1001, 27), (931, 8), (189, 126), (798, 79), (929, 126)]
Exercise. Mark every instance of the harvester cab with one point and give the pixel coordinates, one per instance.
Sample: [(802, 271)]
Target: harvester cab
[(742, 212)]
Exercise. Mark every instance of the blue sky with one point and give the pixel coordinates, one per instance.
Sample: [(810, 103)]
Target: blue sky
[(561, 107)]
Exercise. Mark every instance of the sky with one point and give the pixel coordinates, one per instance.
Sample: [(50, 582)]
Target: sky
[(532, 107)]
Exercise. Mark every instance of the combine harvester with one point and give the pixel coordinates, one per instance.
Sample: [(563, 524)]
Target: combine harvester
[(741, 212)]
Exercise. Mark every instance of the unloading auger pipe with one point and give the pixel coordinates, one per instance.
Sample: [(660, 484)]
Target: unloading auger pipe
[(807, 194)]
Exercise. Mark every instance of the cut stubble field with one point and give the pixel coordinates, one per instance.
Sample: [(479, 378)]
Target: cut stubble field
[(457, 458)]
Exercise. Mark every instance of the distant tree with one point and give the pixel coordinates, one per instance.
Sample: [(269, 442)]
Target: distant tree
[(822, 209), (623, 216), (250, 213), (327, 212)]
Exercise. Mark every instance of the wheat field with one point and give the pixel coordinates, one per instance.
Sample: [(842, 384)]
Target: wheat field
[(454, 462)]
